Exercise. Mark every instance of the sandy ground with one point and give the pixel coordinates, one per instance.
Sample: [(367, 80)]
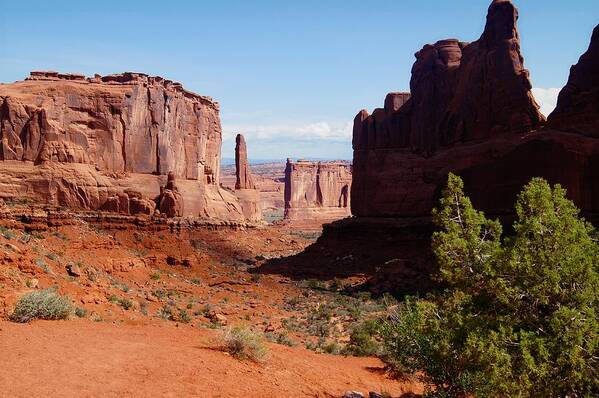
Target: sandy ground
[(98, 359)]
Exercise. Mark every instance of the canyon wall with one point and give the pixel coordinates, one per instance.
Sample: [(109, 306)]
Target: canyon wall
[(74, 141), (317, 191), (471, 112)]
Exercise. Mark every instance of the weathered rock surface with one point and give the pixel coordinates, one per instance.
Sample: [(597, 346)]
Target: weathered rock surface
[(317, 190), (245, 189), (471, 112), (170, 201), (117, 133), (578, 103), (242, 167)]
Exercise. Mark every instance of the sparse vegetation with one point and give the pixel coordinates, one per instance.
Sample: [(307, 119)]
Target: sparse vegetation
[(81, 312), (184, 316), (123, 302), (244, 344), (155, 276), (519, 315), (166, 313), (42, 264), (279, 338), (60, 236), (43, 304)]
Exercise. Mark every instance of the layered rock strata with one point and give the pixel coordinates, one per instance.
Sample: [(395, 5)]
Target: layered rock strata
[(470, 112), (82, 142), (316, 191)]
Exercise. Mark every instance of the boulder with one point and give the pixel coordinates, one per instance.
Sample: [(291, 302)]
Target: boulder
[(170, 201)]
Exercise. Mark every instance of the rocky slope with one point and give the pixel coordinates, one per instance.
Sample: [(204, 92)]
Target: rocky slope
[(317, 191), (74, 141)]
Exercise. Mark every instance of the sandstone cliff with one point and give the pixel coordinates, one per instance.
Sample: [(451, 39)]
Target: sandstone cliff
[(471, 112), (578, 103), (111, 130), (317, 191)]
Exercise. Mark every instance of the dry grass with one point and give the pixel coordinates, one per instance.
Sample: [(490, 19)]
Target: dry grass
[(244, 344)]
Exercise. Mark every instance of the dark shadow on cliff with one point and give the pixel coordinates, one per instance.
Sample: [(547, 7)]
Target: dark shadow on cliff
[(392, 255)]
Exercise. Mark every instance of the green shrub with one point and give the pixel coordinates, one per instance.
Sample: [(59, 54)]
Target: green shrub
[(279, 338), (244, 344), (184, 316), (81, 312), (364, 339), (124, 302), (155, 276), (519, 315), (43, 304)]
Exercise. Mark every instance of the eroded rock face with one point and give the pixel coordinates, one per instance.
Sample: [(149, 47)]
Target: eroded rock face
[(245, 189), (578, 103), (471, 113), (470, 108), (242, 167), (120, 123), (170, 201), (114, 130), (317, 190)]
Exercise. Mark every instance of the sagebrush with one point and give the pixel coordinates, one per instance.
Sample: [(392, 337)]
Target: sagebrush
[(43, 304)]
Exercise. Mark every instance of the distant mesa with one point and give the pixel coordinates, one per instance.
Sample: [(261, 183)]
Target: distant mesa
[(317, 191)]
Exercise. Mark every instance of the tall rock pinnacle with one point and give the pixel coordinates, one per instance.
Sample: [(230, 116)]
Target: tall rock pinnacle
[(242, 167)]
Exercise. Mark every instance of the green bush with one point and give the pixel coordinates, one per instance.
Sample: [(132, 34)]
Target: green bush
[(244, 344), (519, 315), (364, 339), (43, 304)]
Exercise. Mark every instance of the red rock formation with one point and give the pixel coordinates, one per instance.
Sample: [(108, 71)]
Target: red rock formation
[(121, 123), (471, 113), (245, 189), (317, 190), (242, 167), (470, 109), (170, 201), (110, 128), (578, 103)]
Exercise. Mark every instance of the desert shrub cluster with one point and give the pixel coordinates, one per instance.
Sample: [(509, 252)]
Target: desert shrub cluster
[(518, 314), (42, 304), (243, 343)]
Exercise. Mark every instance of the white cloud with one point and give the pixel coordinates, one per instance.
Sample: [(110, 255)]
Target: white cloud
[(547, 98), (317, 131)]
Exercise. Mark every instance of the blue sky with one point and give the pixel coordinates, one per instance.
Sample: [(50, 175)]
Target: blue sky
[(289, 75)]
